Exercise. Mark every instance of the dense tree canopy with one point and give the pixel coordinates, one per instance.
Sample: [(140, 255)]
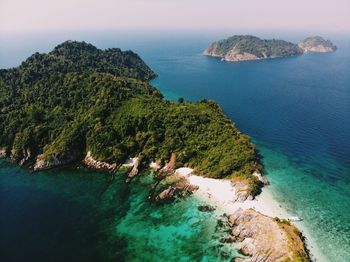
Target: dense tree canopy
[(78, 98), (254, 45)]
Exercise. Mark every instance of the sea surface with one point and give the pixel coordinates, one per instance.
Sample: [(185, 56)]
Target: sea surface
[(296, 109)]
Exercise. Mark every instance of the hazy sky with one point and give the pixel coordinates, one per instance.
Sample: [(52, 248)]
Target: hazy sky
[(28, 15)]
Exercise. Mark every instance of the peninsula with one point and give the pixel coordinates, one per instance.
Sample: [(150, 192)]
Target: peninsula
[(78, 103), (248, 47)]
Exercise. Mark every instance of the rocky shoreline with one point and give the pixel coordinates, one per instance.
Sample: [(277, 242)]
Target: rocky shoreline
[(261, 237), (42, 164), (257, 228), (91, 162), (232, 56)]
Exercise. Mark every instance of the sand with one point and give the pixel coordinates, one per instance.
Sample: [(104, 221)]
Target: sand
[(221, 194)]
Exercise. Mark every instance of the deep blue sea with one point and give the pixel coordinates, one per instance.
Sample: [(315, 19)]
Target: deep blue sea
[(297, 110)]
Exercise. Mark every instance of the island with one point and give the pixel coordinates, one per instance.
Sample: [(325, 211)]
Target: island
[(317, 44), (78, 103), (247, 47)]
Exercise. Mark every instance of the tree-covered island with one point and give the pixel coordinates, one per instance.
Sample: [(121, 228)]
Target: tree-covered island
[(79, 103), (58, 106), (247, 47)]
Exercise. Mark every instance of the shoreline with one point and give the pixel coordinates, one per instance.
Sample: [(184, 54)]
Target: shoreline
[(220, 193)]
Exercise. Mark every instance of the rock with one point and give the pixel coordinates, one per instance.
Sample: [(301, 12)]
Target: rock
[(243, 187), (2, 153), (130, 162), (235, 56), (26, 156), (20, 156), (242, 191), (169, 167), (227, 240), (91, 162), (166, 194), (155, 165), (317, 44), (261, 178), (134, 171), (181, 187), (42, 164), (263, 238), (206, 208)]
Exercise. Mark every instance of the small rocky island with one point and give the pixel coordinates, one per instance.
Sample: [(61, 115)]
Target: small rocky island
[(82, 104), (248, 47), (317, 44)]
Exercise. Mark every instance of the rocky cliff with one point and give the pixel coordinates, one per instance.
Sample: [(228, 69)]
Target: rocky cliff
[(42, 164)]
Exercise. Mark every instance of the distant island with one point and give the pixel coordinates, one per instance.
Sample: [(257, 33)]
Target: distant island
[(248, 47), (82, 104), (317, 44)]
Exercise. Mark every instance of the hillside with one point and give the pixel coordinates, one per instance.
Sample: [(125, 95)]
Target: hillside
[(317, 44), (247, 47), (56, 107)]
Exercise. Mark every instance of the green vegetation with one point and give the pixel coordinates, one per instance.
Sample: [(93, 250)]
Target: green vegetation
[(315, 41), (254, 45), (78, 98), (296, 241)]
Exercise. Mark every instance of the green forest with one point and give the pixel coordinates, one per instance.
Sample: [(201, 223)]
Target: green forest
[(256, 46), (78, 98)]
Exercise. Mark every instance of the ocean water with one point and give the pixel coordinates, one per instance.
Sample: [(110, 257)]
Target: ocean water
[(297, 111), (78, 214)]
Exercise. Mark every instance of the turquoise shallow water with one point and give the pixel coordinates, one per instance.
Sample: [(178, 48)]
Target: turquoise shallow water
[(323, 204), (296, 109), (77, 214)]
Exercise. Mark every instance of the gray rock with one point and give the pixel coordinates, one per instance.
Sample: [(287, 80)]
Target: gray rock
[(263, 238)]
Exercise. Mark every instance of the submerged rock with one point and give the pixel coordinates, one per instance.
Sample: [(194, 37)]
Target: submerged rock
[(206, 208), (180, 186)]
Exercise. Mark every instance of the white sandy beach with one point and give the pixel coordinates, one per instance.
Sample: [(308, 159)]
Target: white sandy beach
[(220, 193)]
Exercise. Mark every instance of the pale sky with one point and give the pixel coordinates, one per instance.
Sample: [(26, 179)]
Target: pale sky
[(36, 15)]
